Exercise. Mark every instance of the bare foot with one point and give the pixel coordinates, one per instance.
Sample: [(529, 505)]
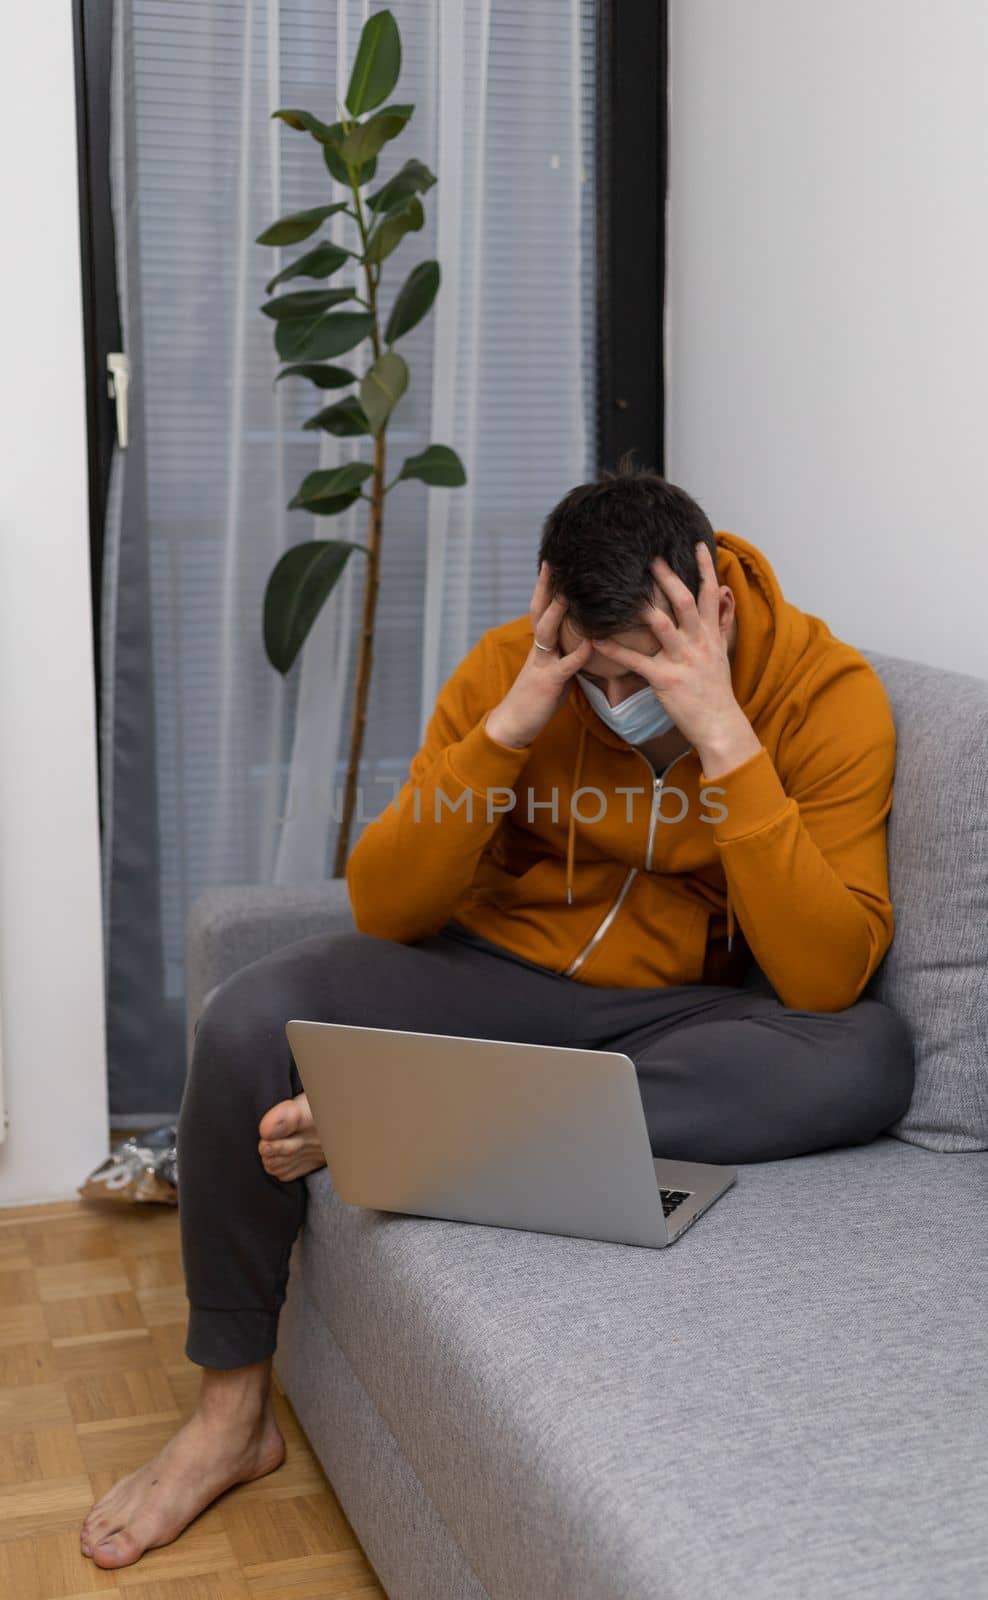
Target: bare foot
[(152, 1506), (289, 1144)]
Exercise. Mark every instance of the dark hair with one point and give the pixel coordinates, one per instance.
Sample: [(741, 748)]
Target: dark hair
[(600, 539)]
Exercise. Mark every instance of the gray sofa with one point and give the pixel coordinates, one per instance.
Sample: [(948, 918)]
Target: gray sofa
[(791, 1403)]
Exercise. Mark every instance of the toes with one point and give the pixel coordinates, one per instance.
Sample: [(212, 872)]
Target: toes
[(118, 1549), (96, 1525), (281, 1147), (281, 1168), (301, 1167), (279, 1120), (286, 1118)]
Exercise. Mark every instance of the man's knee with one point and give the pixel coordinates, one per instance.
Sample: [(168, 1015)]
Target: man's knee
[(240, 1010), (239, 1036), (328, 978), (883, 1044)]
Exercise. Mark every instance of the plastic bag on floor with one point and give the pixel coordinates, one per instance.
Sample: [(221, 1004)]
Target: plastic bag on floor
[(142, 1167)]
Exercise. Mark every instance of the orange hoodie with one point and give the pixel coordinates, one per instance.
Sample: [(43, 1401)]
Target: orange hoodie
[(573, 853)]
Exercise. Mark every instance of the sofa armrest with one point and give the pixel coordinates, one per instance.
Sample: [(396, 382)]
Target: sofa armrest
[(228, 928)]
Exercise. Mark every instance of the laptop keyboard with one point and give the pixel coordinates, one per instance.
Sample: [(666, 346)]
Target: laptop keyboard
[(671, 1198)]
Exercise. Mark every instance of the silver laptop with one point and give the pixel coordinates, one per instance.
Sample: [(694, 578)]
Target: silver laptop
[(512, 1135)]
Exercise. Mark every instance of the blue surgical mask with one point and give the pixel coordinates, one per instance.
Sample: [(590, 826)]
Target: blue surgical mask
[(636, 719)]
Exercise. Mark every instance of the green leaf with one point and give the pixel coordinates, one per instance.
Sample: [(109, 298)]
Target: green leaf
[(346, 419), (336, 166), (413, 178), (391, 229), (413, 300), (305, 122), (436, 464), (329, 506), (297, 225), (381, 389), (296, 592), (323, 377), (375, 71), (365, 140), (322, 338), (305, 303), (331, 484), (330, 135), (321, 262)]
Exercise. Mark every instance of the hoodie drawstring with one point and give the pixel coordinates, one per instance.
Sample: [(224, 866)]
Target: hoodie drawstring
[(571, 838), (571, 834)]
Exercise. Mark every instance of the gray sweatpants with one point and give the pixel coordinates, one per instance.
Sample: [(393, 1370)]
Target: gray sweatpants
[(726, 1075)]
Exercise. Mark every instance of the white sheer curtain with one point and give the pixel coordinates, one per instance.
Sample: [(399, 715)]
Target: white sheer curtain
[(246, 768)]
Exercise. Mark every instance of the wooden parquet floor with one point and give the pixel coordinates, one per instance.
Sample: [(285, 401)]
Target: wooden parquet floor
[(93, 1378)]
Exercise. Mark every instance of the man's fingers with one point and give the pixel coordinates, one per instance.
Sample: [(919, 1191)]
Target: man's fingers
[(632, 659), (577, 658), (665, 630), (708, 603), (676, 592), (546, 627), (540, 594)]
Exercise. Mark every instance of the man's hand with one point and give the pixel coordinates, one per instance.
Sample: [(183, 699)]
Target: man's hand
[(546, 675), (691, 672)]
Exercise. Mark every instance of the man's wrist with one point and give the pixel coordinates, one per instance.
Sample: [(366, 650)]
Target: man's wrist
[(728, 746), (502, 732)]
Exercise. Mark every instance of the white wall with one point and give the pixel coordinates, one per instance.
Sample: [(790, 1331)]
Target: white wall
[(828, 304), (51, 982)]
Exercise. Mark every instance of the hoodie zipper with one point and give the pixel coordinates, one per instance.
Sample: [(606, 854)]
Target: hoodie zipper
[(658, 779)]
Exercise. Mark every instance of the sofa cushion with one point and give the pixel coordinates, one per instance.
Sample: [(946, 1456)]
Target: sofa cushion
[(936, 971), (790, 1400)]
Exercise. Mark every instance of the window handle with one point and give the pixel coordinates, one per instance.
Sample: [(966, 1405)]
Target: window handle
[(118, 384)]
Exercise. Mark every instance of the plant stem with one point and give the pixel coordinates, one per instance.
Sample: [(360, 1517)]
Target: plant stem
[(365, 656)]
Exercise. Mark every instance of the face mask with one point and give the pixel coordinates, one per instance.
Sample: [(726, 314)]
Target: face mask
[(636, 719)]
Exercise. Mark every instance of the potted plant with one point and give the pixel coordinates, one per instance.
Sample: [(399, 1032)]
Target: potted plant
[(311, 331)]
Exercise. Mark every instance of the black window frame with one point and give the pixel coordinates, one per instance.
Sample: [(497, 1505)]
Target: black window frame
[(632, 146), (92, 24)]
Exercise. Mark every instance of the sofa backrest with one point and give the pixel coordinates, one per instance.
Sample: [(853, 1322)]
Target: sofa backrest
[(936, 972)]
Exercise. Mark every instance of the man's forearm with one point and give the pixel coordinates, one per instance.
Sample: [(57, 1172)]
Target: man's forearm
[(816, 941), (727, 745), (414, 862)]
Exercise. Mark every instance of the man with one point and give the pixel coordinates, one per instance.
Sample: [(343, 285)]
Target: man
[(663, 771)]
